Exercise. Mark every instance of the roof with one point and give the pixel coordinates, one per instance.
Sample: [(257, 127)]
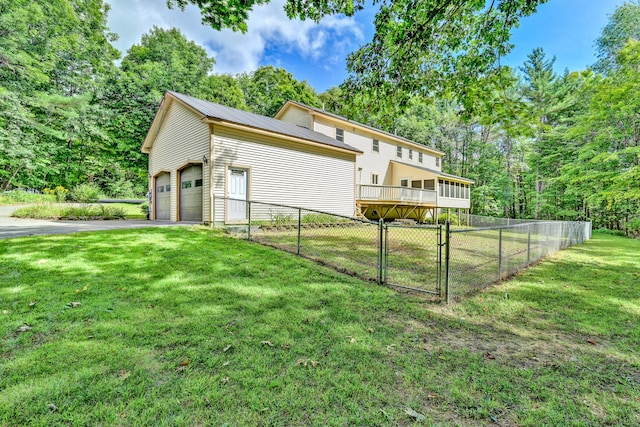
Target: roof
[(439, 173), (362, 125), (222, 113)]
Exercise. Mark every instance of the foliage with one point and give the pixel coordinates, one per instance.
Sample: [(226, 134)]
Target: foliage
[(267, 89), (163, 333), (21, 196), (85, 193), (70, 212), (624, 24), (59, 192)]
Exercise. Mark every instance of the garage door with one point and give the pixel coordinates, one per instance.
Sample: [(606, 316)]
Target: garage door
[(191, 194), (163, 196)]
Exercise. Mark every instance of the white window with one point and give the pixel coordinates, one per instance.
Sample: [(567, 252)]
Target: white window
[(374, 179), (399, 152), (419, 157), (376, 146), (404, 183), (340, 134), (437, 161), (410, 154)]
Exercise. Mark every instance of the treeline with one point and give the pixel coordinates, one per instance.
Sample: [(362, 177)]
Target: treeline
[(537, 144)]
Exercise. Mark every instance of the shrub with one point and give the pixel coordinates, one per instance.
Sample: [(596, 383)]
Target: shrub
[(145, 208), (86, 193), (49, 211)]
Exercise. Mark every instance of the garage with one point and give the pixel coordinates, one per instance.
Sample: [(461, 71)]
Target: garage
[(162, 197), (191, 193)]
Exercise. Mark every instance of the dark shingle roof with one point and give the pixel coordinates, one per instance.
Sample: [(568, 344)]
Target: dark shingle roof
[(252, 120)]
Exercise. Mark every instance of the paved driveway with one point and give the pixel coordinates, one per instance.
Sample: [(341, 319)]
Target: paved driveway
[(16, 227)]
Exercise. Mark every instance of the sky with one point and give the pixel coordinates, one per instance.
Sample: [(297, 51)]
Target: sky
[(317, 52)]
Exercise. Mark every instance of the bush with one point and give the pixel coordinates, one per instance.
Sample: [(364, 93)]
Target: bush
[(86, 193), (145, 208), (49, 211), (60, 193)]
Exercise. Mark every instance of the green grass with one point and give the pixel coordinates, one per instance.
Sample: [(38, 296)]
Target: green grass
[(191, 327)]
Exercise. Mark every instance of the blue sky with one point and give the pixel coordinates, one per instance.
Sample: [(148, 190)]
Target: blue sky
[(317, 52)]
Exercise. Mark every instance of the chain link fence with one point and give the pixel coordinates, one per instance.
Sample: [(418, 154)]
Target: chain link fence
[(483, 255), (447, 261)]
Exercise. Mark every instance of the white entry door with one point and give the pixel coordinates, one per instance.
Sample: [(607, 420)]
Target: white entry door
[(237, 209)]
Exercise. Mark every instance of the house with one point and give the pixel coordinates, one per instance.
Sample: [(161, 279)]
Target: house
[(200, 152), (396, 177)]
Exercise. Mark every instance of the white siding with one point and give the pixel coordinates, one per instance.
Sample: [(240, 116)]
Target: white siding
[(284, 172), (376, 162), (449, 202), (297, 117), (182, 138)]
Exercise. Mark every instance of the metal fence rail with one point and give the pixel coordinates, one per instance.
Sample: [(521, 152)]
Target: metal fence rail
[(446, 261)]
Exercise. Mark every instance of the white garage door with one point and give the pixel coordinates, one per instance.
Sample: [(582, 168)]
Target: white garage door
[(163, 196), (191, 194)]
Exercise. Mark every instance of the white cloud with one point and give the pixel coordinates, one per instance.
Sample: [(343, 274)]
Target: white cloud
[(269, 30)]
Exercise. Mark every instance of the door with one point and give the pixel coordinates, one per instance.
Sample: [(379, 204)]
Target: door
[(191, 194), (162, 197), (237, 185)]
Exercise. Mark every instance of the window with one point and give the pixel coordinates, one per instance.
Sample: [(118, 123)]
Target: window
[(198, 183), (416, 184), (340, 134), (161, 189), (167, 188), (441, 188), (399, 152), (410, 154), (438, 161), (429, 184), (186, 184), (419, 157), (376, 146), (404, 183), (374, 179)]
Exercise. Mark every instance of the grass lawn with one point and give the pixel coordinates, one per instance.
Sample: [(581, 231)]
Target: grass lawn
[(191, 327)]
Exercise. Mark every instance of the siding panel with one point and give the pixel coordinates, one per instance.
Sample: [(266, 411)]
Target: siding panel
[(181, 138), (285, 173)]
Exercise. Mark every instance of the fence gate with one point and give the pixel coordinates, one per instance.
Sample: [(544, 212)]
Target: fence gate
[(413, 257)]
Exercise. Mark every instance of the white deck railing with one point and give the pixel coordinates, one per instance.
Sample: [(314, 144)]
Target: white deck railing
[(396, 194)]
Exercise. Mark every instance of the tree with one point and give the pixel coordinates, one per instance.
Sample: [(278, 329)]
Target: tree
[(607, 171), (163, 60), (623, 25), (53, 58), (267, 89), (223, 89)]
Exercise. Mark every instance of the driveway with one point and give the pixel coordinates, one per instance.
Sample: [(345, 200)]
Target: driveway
[(17, 227)]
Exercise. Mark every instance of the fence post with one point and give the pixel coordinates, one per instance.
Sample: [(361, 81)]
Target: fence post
[(386, 253), (439, 263), (299, 228), (500, 255), (528, 244), (447, 253), (380, 249), (249, 225)]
